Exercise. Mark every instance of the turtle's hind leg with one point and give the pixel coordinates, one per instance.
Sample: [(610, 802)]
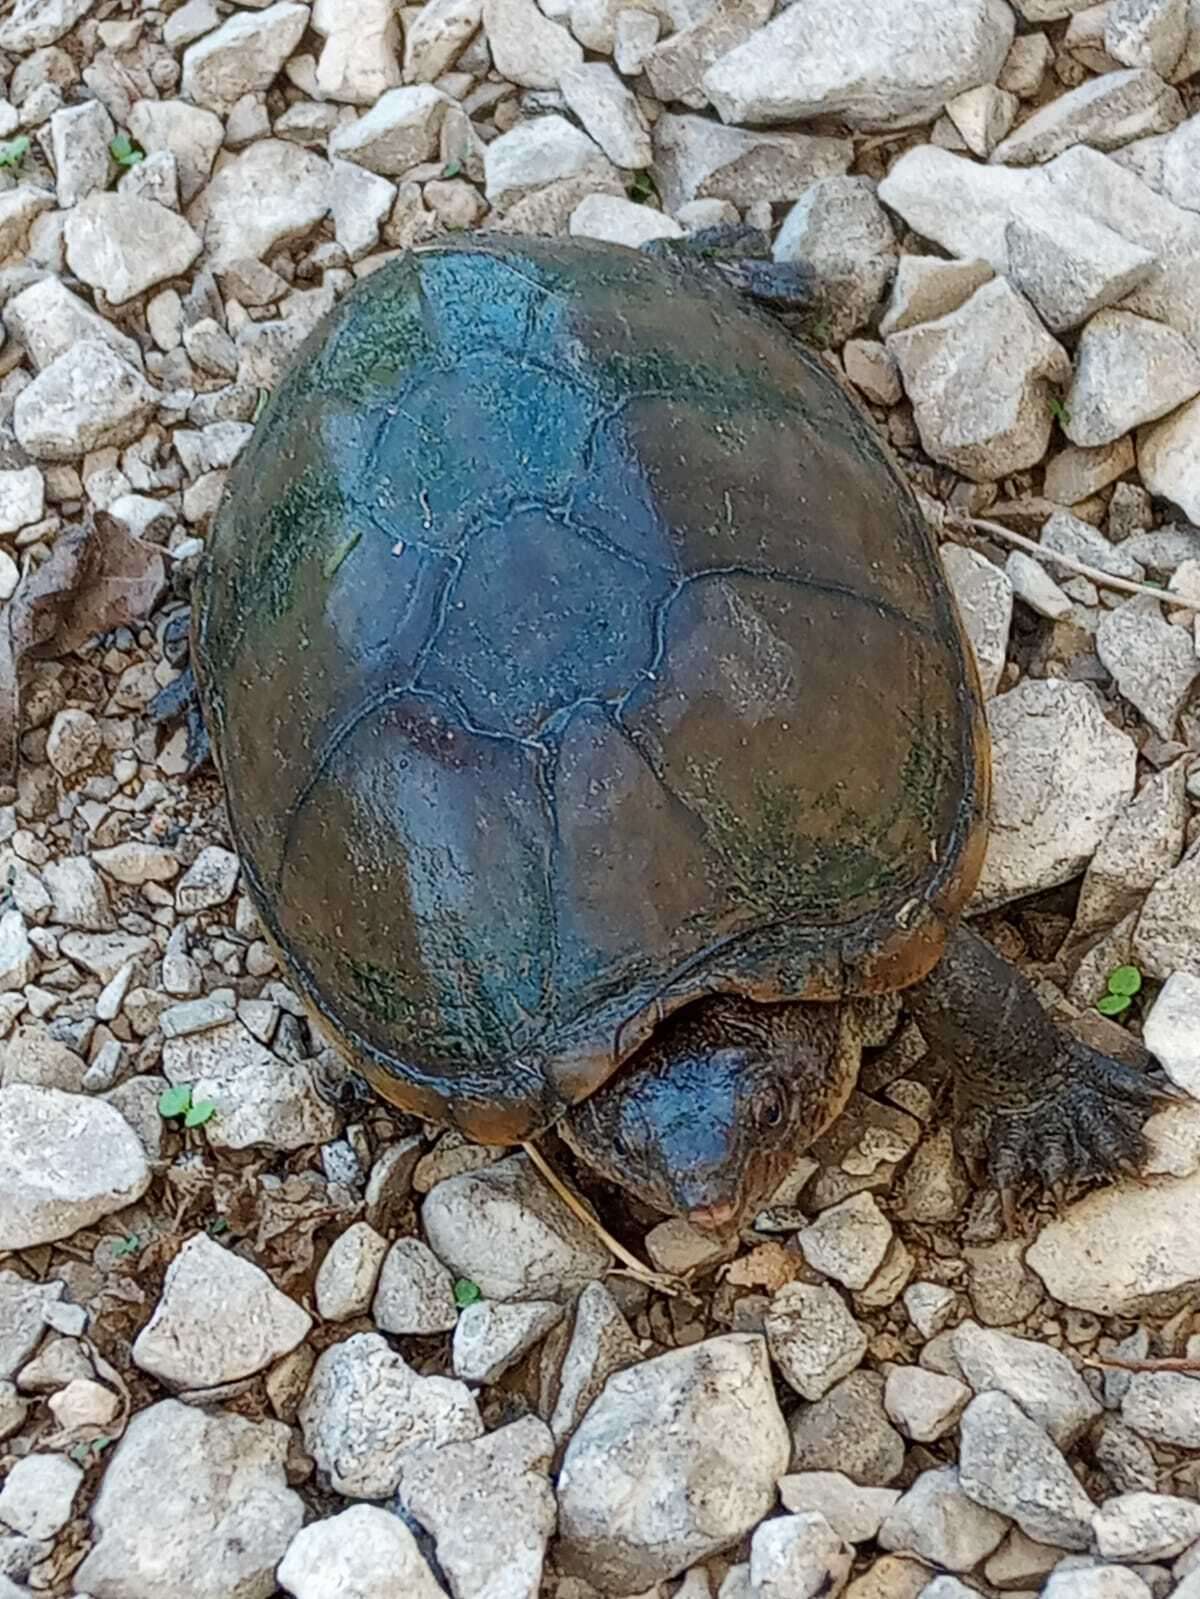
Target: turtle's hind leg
[(180, 700), (1035, 1105)]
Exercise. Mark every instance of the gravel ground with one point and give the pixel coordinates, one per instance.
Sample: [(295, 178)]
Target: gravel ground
[(259, 1334)]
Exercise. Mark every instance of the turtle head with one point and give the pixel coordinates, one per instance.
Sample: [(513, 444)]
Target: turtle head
[(706, 1118)]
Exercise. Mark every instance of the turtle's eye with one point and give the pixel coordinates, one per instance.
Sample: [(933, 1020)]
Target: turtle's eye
[(770, 1108)]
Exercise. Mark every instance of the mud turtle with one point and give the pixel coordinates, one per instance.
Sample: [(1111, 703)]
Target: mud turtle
[(595, 723)]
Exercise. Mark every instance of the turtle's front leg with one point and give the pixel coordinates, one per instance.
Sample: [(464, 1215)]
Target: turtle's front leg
[(1034, 1103), (742, 255)]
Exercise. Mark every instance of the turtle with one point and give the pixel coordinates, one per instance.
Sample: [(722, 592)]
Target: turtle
[(598, 731)]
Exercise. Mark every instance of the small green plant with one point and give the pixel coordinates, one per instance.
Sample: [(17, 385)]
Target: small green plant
[(216, 1227), (260, 403), (1123, 984), (124, 152), (641, 188), (177, 1101), (1059, 411), (466, 1293), (14, 151), (129, 1245), (83, 1454), (452, 169)]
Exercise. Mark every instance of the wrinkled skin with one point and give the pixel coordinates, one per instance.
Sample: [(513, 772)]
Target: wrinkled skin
[(705, 1120)]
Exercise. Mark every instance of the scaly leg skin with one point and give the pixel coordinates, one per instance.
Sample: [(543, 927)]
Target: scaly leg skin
[(180, 698), (1034, 1104), (742, 255)]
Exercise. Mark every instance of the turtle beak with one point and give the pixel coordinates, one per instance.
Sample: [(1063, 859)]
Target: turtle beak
[(713, 1218)]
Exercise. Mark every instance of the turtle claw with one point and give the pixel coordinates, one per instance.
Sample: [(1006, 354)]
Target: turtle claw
[(180, 700), (1086, 1130)]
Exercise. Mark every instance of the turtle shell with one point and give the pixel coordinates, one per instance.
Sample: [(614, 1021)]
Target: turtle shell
[(571, 648)]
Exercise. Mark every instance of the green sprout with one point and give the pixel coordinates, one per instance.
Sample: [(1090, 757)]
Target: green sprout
[(14, 151), (1059, 411), (177, 1101), (83, 1454), (466, 1293), (124, 152), (641, 188), (452, 169), (1123, 984), (129, 1245)]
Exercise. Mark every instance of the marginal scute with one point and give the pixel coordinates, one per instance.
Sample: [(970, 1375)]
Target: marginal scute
[(573, 648)]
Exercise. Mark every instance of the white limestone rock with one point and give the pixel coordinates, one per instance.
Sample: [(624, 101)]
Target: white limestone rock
[(219, 1318), (676, 1460), (620, 221), (366, 1409), (260, 1100), (360, 58), (86, 399), (696, 158), (813, 1338), (527, 47), (489, 1337), (1153, 663), (271, 193), (1167, 936), (1169, 458), (872, 65), (1128, 371), (1171, 1030), (365, 1552), (1123, 1249), (215, 1474), (1069, 266), (608, 112), (490, 1508), (983, 593), (980, 381), (415, 1294), (242, 56), (348, 1274), (1010, 1465), (844, 241), (1104, 112), (188, 132), (1061, 773), (66, 1160), (548, 1252), (798, 1557), (936, 1521), (1036, 1376)]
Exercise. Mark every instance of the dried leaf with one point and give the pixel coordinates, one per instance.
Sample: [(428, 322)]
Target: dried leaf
[(120, 584), (767, 1266), (97, 577), (29, 620)]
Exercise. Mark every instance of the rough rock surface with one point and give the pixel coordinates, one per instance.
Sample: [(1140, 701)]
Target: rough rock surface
[(1008, 1464), (218, 1475), (980, 383), (872, 65), (219, 1318), (548, 1252), (489, 1508), (366, 1408), (640, 1501), (65, 1161), (365, 1552)]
